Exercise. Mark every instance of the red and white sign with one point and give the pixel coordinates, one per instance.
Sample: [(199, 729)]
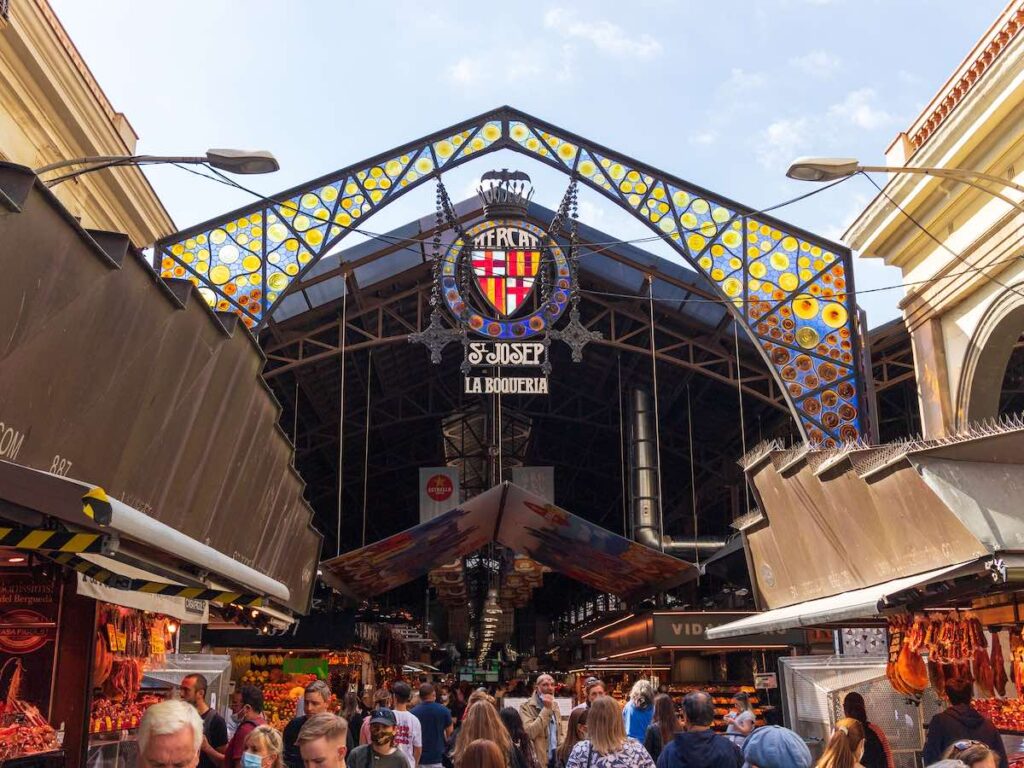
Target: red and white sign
[(439, 491), (440, 488)]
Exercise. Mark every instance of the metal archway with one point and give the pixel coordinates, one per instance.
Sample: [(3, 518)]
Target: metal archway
[(790, 290)]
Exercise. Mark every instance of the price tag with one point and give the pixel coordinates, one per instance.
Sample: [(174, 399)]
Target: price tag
[(122, 642), (111, 638), (156, 644)]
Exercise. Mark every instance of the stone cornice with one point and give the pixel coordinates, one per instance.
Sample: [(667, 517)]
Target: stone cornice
[(971, 71), (47, 80)]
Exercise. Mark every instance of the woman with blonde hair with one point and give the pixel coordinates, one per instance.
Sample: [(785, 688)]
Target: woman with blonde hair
[(846, 747), (264, 748), (973, 754), (481, 721), (607, 745)]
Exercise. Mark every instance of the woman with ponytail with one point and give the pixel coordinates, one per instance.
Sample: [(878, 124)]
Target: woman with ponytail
[(846, 747)]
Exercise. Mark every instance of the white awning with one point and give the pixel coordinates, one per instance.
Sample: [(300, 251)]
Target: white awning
[(848, 606), (186, 611)]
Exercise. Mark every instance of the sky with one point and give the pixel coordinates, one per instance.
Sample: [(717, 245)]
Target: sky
[(724, 94)]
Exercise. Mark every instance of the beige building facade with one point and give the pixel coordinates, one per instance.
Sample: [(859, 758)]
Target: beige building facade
[(960, 246), (52, 108)]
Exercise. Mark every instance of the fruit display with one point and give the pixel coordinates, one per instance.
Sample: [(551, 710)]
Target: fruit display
[(722, 699), (280, 699), (111, 715)]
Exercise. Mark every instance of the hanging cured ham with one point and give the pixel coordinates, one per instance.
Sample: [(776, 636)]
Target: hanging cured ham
[(999, 678)]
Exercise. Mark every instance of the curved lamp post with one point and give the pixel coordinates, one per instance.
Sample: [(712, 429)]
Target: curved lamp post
[(833, 168), (230, 160)]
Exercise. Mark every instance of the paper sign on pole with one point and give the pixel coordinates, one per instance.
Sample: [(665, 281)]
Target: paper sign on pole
[(439, 491)]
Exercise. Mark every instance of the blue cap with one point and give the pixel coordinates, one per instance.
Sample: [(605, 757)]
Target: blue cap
[(383, 716), (772, 746)]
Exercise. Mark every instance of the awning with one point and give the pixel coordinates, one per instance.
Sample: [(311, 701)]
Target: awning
[(847, 606), (185, 610), (88, 510)]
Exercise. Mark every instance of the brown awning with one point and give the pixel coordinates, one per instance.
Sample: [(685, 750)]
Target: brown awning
[(112, 376), (848, 519)]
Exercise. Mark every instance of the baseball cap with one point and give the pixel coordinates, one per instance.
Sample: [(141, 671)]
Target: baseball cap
[(773, 746), (383, 717)]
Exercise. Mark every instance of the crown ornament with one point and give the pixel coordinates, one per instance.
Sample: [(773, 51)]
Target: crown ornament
[(505, 193)]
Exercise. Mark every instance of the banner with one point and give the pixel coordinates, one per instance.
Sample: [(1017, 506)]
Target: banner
[(540, 481), (439, 491)]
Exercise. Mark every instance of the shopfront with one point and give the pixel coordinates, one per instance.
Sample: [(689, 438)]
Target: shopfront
[(121, 490), (672, 649)]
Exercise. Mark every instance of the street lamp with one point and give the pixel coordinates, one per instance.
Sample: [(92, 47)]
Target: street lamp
[(230, 160), (833, 168)]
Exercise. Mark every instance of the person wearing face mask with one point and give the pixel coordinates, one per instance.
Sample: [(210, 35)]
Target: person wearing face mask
[(322, 741), (247, 714), (381, 752), (263, 749), (315, 699)]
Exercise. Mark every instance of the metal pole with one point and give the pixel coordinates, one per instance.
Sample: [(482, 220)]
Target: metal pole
[(341, 409), (657, 419), (366, 442)]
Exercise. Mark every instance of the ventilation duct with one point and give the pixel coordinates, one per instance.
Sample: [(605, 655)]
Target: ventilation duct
[(645, 488)]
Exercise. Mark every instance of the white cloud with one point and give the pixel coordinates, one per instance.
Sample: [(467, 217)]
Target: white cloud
[(782, 140), (834, 231), (466, 71), (907, 77), (704, 138), (858, 108), (740, 79), (819, 63), (603, 35)]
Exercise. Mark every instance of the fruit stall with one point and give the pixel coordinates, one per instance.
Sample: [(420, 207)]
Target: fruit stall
[(283, 676)]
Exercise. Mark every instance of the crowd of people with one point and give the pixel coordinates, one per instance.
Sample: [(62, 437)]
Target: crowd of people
[(407, 729)]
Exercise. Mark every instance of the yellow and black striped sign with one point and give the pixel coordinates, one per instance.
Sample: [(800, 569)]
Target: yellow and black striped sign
[(45, 540), (117, 581)]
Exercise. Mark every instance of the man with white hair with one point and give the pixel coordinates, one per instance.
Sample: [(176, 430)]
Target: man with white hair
[(170, 736), (543, 721)]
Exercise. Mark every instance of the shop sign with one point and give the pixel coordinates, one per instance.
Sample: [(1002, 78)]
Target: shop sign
[(29, 607), (766, 681), (689, 629), (506, 283), (197, 607)]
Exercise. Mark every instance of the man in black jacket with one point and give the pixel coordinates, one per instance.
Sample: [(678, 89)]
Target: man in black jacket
[(698, 746), (961, 722)]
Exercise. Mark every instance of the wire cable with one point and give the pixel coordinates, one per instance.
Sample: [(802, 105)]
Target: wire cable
[(936, 240)]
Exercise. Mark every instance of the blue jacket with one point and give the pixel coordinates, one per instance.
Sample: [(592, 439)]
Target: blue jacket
[(700, 749), (637, 720)]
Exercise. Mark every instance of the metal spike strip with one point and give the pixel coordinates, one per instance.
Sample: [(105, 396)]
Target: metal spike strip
[(45, 540), (786, 457), (758, 452), (117, 581)]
